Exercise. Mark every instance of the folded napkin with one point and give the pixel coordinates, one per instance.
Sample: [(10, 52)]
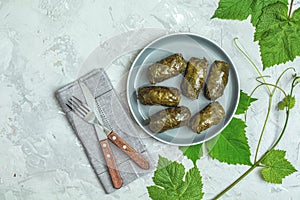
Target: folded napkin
[(117, 118)]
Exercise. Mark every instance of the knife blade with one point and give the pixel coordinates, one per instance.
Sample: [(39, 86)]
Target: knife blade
[(111, 135), (90, 100)]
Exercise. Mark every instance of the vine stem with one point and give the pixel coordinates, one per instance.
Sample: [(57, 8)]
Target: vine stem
[(270, 96), (257, 163), (260, 85), (271, 93), (269, 109), (264, 126), (252, 63), (238, 180), (287, 114), (291, 7)]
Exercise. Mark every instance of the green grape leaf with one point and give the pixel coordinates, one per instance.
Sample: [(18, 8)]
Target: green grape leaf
[(169, 174), (193, 153), (156, 192), (287, 102), (232, 9), (276, 167), (278, 35), (231, 145), (244, 103), (240, 10), (170, 184), (257, 7), (193, 185)]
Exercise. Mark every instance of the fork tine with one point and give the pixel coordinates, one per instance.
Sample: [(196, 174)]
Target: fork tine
[(84, 107), (69, 106), (74, 102), (76, 107)]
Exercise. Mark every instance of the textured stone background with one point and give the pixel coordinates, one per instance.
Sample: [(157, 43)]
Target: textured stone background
[(43, 44)]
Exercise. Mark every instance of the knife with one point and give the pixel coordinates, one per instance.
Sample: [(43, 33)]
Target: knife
[(109, 158), (111, 135), (104, 144)]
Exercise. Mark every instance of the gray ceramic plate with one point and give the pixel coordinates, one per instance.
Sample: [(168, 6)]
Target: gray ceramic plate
[(190, 45)]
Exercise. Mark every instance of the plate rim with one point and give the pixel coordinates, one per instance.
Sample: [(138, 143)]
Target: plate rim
[(130, 72)]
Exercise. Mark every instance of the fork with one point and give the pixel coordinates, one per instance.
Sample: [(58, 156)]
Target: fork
[(84, 112)]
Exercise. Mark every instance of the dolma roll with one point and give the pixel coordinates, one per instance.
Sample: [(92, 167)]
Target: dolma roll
[(211, 115), (166, 68), (217, 80), (194, 77), (159, 95), (169, 118)]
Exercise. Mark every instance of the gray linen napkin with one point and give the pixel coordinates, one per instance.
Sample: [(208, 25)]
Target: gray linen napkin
[(117, 118)]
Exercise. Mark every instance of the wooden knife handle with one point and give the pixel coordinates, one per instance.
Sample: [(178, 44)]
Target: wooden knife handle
[(126, 148), (111, 164)]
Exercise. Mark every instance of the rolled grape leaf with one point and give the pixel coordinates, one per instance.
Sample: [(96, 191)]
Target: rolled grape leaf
[(166, 68), (169, 118), (217, 80), (159, 95), (209, 116), (194, 77)]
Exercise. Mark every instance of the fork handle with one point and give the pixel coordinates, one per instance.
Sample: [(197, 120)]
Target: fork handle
[(126, 148), (111, 164)]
